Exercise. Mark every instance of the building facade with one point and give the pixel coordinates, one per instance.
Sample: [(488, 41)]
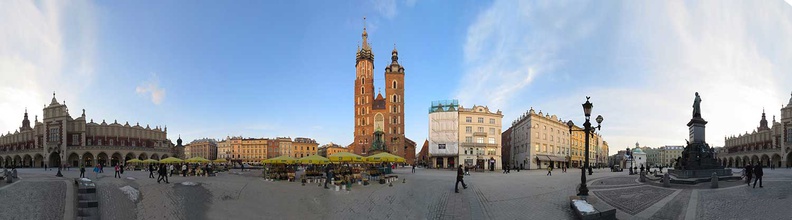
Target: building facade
[(669, 154), (60, 139), (423, 155), (330, 149), (379, 112), (443, 134), (224, 149), (304, 147), (273, 148), (506, 154), (768, 144), (480, 143), (285, 146), (206, 148), (540, 140)]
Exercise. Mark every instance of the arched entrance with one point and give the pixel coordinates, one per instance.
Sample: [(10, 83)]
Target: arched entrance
[(8, 161), (164, 156), (54, 159), (74, 159), (38, 160), (17, 161), (88, 159), (129, 156), (730, 162), (102, 159), (115, 159), (776, 160), (754, 160), (765, 160), (27, 161), (789, 159), (142, 156), (155, 156)]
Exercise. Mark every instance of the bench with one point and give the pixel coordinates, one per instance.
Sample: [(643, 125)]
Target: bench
[(586, 211)]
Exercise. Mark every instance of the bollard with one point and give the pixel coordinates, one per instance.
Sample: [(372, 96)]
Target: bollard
[(714, 180), (404, 180), (666, 180)]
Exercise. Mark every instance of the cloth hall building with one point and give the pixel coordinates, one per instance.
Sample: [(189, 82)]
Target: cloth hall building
[(59, 137), (768, 144)]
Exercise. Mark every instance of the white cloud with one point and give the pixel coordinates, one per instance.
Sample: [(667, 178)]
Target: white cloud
[(657, 55), (390, 8), (44, 47), (152, 88)]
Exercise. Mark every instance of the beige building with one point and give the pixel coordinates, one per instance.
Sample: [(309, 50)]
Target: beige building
[(206, 148), (248, 150), (224, 149), (540, 140), (285, 146), (480, 137), (61, 139), (330, 149), (669, 154)]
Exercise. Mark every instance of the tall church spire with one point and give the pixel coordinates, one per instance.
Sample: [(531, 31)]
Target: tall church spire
[(763, 123), (365, 34)]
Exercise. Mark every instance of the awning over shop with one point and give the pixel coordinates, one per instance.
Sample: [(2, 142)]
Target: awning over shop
[(551, 158)]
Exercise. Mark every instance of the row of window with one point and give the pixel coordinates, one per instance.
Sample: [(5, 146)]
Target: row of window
[(479, 140), (469, 130), (480, 120)]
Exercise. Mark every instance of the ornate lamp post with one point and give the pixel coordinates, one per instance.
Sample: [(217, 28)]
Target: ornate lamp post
[(582, 189)]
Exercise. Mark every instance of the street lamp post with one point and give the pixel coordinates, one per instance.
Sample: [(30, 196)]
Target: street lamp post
[(587, 128)]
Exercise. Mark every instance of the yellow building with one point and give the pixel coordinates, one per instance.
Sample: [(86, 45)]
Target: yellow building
[(330, 149), (224, 149), (285, 146), (248, 150), (302, 147)]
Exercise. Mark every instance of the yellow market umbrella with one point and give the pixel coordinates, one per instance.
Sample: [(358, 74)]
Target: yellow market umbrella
[(134, 161), (279, 160), (171, 160), (197, 160), (345, 157), (313, 159), (221, 160), (150, 161), (384, 157)]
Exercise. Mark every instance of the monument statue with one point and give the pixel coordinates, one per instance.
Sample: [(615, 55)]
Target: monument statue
[(698, 158), (378, 144), (697, 106)]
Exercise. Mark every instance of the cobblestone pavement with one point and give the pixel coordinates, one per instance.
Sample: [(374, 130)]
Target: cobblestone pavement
[(427, 194), (38, 198)]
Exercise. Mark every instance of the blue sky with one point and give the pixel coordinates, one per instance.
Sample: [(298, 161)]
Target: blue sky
[(286, 68)]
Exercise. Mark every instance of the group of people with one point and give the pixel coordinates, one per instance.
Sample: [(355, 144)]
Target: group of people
[(753, 172)]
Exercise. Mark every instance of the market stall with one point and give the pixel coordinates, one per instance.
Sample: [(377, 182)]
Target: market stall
[(379, 168), (313, 172), (349, 169), (278, 169)]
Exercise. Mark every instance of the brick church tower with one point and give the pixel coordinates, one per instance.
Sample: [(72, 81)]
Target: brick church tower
[(379, 112)]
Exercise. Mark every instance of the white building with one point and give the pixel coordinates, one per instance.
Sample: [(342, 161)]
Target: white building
[(443, 133), (540, 140)]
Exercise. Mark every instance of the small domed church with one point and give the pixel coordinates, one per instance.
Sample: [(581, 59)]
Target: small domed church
[(379, 118)]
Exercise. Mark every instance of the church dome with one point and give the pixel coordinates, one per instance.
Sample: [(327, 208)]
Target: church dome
[(638, 151)]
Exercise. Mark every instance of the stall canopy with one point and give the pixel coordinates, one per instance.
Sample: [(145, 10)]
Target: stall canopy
[(221, 160), (171, 160), (134, 161), (313, 159), (384, 157), (279, 160), (150, 161), (197, 160), (345, 157)]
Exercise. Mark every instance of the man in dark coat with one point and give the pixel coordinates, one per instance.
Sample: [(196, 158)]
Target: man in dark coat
[(151, 171), (328, 175), (757, 170), (460, 175), (748, 174)]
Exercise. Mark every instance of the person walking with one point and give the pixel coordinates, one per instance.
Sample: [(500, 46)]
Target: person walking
[(758, 173), (101, 168), (413, 168), (117, 171), (549, 171), (328, 175), (170, 169), (82, 171), (184, 170), (459, 178), (45, 166), (151, 171), (96, 172), (748, 173)]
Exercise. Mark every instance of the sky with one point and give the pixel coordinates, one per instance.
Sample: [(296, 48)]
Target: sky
[(286, 68)]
